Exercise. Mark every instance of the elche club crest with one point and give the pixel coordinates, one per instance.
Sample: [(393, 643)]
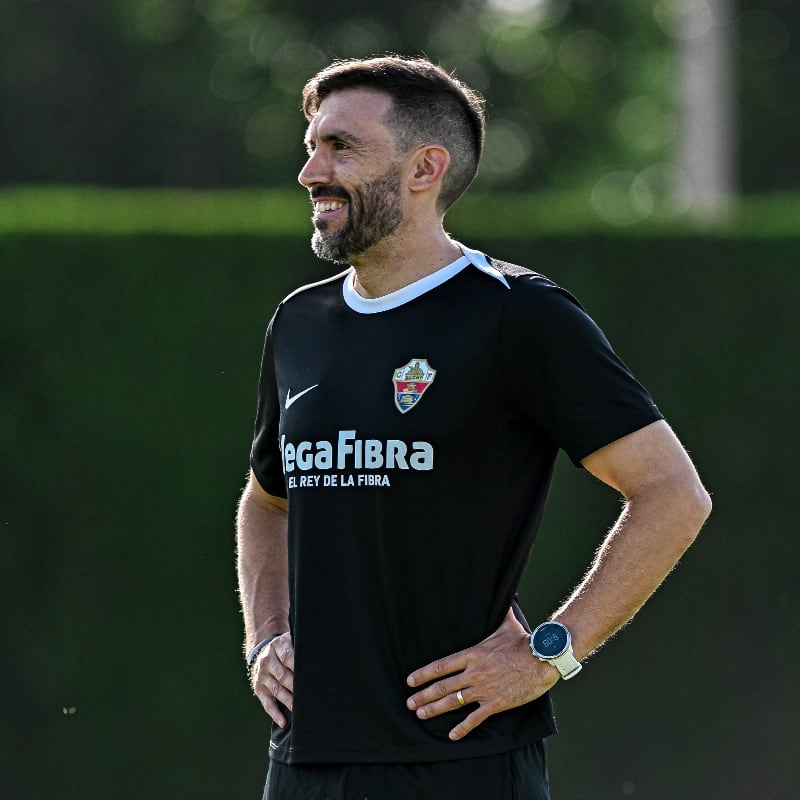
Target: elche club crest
[(411, 382)]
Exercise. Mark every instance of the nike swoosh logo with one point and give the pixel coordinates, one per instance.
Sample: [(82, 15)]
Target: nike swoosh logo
[(291, 400)]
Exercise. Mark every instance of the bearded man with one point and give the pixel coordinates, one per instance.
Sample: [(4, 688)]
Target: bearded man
[(410, 411)]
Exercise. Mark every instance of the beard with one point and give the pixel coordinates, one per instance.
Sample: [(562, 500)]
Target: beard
[(374, 212)]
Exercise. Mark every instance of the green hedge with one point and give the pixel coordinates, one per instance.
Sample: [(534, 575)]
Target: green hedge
[(130, 360), (285, 213)]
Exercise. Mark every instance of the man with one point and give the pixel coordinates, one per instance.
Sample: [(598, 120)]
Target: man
[(410, 411)]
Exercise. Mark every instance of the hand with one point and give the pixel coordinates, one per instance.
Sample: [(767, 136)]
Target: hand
[(272, 677), (497, 674)]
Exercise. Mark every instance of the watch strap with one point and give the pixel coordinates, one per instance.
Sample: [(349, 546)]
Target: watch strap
[(566, 664)]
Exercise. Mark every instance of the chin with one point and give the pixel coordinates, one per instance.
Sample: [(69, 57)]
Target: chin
[(325, 248)]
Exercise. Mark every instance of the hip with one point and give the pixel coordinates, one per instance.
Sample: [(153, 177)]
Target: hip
[(519, 774)]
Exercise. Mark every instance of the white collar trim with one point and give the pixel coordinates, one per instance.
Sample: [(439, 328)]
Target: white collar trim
[(374, 305)]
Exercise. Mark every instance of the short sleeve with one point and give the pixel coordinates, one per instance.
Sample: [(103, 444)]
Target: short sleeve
[(562, 374), (265, 456)]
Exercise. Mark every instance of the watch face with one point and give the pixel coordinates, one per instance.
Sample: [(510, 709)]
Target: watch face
[(550, 640)]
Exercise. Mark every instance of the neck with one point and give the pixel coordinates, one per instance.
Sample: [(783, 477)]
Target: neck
[(402, 259)]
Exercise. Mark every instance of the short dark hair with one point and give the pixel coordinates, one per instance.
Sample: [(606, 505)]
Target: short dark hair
[(429, 106)]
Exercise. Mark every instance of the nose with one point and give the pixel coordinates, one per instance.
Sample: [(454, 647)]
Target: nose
[(315, 171)]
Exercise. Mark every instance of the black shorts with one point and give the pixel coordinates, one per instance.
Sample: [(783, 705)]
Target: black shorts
[(517, 775)]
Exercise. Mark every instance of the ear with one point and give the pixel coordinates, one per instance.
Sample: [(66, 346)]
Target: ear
[(427, 168)]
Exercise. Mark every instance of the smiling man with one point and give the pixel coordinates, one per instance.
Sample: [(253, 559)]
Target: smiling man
[(362, 208), (410, 411)]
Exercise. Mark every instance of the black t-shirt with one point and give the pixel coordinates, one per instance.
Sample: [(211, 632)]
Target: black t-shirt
[(415, 437)]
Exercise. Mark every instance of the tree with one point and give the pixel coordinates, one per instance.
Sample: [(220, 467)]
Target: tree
[(205, 92)]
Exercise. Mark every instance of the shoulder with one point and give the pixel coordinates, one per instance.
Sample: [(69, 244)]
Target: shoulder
[(309, 301), (316, 290), (531, 291)]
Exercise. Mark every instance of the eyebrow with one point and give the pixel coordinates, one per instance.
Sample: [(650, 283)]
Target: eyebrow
[(340, 135)]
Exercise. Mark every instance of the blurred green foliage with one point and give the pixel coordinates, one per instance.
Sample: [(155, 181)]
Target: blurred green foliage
[(205, 93), (130, 359), (512, 215)]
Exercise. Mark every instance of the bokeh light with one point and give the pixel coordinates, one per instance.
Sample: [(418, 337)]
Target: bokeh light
[(645, 123), (293, 63), (508, 148), (359, 38), (520, 51), (587, 55), (536, 13), (659, 192), (592, 84), (273, 132)]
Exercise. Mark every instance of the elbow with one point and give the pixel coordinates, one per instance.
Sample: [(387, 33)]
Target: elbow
[(705, 503), (697, 506)]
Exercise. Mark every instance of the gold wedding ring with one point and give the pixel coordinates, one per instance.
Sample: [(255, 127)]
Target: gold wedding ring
[(460, 697)]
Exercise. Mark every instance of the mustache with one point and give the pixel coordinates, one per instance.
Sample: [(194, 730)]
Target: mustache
[(329, 191)]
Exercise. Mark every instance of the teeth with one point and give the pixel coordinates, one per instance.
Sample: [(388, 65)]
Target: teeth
[(329, 205)]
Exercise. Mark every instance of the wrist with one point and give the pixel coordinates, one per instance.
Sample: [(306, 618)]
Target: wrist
[(551, 642), (253, 654)]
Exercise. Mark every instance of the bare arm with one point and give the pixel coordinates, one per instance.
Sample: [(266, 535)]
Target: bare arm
[(665, 507), (262, 566)]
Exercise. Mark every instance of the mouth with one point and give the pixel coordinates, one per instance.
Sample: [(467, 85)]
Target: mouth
[(324, 206), (327, 209)]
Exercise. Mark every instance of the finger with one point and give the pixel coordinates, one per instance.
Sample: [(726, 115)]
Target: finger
[(282, 673), (271, 693), (287, 655), (277, 660), (272, 708), (438, 669), (469, 723), (439, 691), (284, 650), (279, 691), (450, 702), (278, 681)]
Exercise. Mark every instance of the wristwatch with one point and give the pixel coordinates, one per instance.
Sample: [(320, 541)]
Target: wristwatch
[(551, 642)]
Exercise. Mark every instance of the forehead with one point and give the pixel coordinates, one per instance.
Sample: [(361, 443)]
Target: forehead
[(358, 113)]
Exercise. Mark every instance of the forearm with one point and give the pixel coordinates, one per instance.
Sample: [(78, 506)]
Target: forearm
[(262, 564), (655, 528), (665, 507)]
